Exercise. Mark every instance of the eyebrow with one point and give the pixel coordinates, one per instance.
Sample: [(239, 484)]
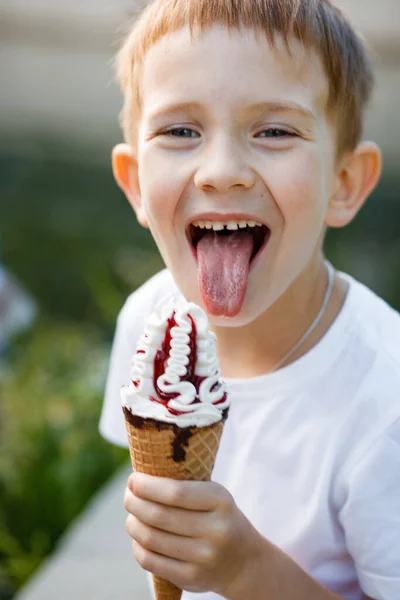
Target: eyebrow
[(277, 106), (271, 106)]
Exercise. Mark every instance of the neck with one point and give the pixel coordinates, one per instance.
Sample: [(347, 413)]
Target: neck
[(257, 348)]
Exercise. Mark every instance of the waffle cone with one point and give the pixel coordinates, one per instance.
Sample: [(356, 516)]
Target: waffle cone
[(165, 590), (166, 450)]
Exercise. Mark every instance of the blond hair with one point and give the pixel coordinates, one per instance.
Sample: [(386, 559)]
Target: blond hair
[(317, 24)]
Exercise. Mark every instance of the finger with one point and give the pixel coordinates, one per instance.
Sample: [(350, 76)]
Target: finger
[(178, 521), (192, 495), (178, 572), (169, 545)]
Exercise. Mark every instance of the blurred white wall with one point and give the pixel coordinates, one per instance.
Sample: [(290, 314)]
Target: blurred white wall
[(57, 78)]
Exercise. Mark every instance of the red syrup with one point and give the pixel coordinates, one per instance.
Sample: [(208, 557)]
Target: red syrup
[(160, 363)]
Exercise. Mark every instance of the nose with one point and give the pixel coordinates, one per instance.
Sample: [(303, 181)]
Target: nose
[(224, 167)]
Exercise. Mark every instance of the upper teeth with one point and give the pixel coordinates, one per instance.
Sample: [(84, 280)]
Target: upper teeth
[(219, 225)]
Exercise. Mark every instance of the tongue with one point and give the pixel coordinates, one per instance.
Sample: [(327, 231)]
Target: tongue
[(223, 271)]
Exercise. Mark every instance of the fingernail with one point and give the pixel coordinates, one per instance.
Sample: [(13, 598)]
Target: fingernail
[(131, 482)]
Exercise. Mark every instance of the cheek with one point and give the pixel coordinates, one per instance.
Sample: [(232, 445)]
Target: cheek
[(161, 187), (162, 182), (301, 191), (157, 188)]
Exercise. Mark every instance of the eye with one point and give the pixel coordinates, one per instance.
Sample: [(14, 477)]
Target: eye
[(276, 132), (181, 132)]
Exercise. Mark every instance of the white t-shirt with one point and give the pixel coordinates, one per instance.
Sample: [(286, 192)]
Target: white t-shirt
[(311, 453)]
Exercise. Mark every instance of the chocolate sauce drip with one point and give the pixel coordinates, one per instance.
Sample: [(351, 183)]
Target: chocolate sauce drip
[(140, 422), (182, 435), (181, 441)]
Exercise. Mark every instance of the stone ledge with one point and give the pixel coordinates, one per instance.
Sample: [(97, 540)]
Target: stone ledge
[(93, 561)]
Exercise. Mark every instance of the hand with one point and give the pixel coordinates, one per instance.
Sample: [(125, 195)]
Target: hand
[(191, 533)]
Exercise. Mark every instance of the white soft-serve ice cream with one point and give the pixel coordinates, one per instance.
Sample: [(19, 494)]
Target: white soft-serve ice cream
[(175, 371)]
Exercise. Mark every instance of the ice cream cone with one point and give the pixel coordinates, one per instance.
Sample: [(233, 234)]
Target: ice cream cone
[(166, 450), (176, 404), (165, 590)]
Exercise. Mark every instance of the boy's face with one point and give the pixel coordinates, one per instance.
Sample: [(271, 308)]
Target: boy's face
[(251, 142)]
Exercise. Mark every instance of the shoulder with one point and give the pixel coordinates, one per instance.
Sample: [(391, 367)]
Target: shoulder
[(143, 300), (376, 323), (370, 367)]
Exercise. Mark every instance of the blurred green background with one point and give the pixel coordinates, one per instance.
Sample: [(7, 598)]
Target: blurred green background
[(71, 239), (67, 234)]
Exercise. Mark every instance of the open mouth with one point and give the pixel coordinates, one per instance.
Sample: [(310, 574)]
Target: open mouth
[(258, 232)]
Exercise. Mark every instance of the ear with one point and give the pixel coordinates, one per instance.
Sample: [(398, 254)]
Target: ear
[(357, 175), (125, 169)]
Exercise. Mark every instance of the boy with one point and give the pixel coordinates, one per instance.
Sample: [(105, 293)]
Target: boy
[(243, 122)]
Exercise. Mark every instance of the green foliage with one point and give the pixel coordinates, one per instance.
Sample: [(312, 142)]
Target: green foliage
[(68, 233), (70, 237), (52, 458)]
